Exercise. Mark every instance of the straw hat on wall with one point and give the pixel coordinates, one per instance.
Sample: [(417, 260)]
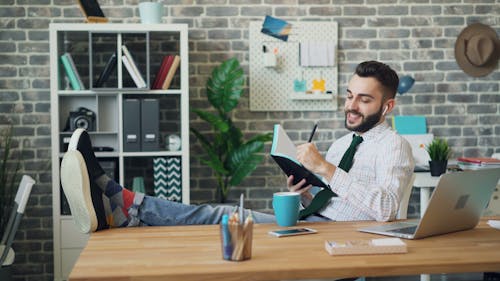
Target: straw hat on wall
[(477, 50)]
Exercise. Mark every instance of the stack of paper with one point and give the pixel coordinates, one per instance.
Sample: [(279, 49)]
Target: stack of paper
[(366, 247), (494, 223)]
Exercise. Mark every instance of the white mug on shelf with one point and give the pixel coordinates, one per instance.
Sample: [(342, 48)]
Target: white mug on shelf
[(151, 12)]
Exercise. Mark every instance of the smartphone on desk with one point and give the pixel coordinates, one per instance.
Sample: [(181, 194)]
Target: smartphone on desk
[(292, 232)]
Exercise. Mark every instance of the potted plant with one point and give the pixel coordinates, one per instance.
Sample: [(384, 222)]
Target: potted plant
[(228, 154), (8, 183), (439, 152)]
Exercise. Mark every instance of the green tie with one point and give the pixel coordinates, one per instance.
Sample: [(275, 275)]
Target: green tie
[(324, 195)]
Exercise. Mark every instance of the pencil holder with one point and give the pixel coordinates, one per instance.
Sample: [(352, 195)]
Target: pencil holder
[(236, 240)]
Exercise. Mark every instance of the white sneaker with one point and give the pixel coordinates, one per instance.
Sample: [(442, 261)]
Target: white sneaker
[(76, 185)]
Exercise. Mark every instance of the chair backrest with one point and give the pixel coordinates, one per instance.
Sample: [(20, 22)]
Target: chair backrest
[(405, 200), (22, 196)]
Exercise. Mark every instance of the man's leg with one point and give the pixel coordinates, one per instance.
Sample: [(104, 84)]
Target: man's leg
[(144, 210), (81, 173), (120, 198), (156, 211)]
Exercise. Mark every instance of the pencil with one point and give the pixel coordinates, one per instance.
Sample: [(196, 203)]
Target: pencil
[(312, 133)]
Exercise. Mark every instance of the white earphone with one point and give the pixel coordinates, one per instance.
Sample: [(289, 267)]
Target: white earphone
[(385, 109)]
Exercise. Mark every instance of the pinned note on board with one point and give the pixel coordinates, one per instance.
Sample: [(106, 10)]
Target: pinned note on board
[(317, 54)]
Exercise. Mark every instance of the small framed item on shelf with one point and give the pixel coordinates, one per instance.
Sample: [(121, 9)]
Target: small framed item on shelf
[(92, 11)]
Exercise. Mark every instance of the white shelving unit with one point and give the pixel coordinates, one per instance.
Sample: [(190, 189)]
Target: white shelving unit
[(91, 45)]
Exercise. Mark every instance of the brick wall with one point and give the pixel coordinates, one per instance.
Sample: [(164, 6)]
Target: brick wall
[(416, 37)]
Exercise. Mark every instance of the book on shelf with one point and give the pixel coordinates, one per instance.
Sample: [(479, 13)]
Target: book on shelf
[(73, 67), (108, 69), (166, 63), (284, 152), (71, 72), (171, 72), (132, 68)]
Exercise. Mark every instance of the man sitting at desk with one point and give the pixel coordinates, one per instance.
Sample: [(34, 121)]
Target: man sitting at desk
[(366, 186)]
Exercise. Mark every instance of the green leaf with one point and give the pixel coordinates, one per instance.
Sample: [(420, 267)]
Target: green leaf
[(216, 165), (262, 137), (439, 150), (234, 137), (213, 160), (244, 160), (215, 120), (204, 142), (225, 86)]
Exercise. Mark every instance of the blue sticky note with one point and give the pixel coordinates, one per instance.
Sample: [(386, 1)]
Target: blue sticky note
[(409, 125)]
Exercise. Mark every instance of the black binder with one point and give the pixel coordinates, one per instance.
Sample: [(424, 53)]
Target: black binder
[(150, 120), (131, 125)]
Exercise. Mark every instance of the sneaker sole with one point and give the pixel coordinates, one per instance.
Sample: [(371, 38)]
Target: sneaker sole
[(98, 206), (73, 142), (76, 185)]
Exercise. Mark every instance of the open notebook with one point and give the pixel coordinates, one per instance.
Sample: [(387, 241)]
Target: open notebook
[(283, 152)]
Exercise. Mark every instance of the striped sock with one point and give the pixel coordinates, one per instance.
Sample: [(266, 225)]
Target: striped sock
[(120, 200)]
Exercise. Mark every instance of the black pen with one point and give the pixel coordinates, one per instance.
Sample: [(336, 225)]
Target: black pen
[(312, 133)]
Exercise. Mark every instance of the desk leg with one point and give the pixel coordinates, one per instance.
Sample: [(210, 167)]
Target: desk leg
[(425, 194)]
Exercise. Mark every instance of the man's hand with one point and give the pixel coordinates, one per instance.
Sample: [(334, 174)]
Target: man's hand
[(309, 156), (299, 188)]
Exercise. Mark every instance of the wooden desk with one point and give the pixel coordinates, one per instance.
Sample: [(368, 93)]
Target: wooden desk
[(193, 253)]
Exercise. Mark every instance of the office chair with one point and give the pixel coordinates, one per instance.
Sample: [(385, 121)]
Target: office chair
[(22, 195), (405, 200)]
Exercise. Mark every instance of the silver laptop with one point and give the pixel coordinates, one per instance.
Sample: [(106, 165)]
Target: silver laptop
[(456, 204)]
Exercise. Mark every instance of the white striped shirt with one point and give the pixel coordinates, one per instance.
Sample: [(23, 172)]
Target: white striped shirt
[(372, 189)]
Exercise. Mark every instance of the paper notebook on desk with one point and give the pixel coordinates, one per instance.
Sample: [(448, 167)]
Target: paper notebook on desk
[(284, 153), (456, 204)]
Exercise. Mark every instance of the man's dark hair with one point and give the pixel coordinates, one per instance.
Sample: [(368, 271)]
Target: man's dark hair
[(383, 73)]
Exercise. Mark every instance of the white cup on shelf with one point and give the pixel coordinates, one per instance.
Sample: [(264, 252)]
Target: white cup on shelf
[(151, 12)]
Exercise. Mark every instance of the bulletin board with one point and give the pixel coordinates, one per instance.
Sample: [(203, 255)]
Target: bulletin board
[(272, 88)]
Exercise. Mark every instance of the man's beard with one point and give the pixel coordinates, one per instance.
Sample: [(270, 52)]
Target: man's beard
[(367, 122)]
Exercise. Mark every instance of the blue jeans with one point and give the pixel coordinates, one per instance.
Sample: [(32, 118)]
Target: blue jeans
[(153, 211)]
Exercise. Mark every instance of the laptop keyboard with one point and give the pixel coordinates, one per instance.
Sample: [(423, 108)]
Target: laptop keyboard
[(406, 230)]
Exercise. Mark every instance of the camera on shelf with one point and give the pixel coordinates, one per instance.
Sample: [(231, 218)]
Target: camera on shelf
[(82, 118)]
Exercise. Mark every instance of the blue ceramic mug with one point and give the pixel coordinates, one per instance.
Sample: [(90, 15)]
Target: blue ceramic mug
[(286, 207)]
